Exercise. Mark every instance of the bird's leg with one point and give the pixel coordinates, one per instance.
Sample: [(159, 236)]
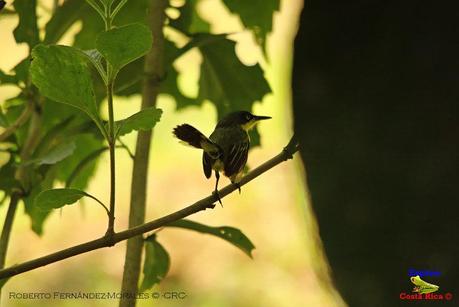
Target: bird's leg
[(217, 175), (238, 186)]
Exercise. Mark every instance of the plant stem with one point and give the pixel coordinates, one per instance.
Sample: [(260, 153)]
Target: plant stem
[(201, 205), (111, 133), (111, 148), (5, 237), (154, 71)]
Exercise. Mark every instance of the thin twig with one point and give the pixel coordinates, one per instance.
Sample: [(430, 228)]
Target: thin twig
[(8, 224), (124, 146), (18, 123), (106, 241)]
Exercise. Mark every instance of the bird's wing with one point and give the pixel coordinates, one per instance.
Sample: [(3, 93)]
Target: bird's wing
[(207, 164), (236, 158)]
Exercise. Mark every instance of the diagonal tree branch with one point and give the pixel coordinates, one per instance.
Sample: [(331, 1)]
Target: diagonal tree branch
[(106, 241)]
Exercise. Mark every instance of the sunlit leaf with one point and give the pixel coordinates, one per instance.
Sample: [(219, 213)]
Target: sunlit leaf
[(123, 45), (156, 264), (27, 30), (256, 15), (61, 73), (229, 234), (144, 120)]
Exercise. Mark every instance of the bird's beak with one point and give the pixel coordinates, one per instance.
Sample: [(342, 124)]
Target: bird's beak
[(257, 118)]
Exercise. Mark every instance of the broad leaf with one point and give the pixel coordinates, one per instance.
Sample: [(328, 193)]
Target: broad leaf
[(77, 170), (189, 21), (227, 82), (230, 234), (56, 198), (92, 24), (198, 40), (41, 183), (96, 58), (142, 120), (170, 86), (156, 264), (128, 81), (61, 73), (63, 18), (56, 154), (123, 45), (21, 70), (256, 15), (27, 30)]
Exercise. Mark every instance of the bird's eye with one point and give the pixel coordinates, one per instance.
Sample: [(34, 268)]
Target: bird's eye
[(248, 117)]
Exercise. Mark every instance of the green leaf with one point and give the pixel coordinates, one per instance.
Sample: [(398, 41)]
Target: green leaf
[(128, 81), (7, 79), (56, 154), (198, 40), (41, 183), (170, 86), (57, 198), (63, 18), (142, 120), (156, 264), (7, 180), (81, 169), (226, 81), (123, 45), (92, 24), (256, 15), (27, 30), (230, 234), (61, 74), (21, 70), (189, 21), (96, 58), (3, 119)]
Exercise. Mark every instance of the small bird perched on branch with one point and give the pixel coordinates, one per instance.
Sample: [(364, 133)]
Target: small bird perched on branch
[(226, 149)]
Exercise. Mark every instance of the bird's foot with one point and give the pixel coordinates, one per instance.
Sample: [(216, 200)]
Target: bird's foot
[(238, 186), (218, 197)]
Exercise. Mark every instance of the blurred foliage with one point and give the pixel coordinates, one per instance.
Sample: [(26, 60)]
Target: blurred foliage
[(52, 144)]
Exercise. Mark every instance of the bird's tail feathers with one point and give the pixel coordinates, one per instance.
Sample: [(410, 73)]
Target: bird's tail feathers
[(192, 136)]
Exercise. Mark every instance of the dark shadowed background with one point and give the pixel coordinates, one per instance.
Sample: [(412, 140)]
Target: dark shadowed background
[(376, 95)]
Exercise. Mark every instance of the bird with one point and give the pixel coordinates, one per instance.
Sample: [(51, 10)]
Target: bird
[(226, 149)]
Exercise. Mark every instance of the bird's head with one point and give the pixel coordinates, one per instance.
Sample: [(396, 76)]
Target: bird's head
[(244, 119)]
